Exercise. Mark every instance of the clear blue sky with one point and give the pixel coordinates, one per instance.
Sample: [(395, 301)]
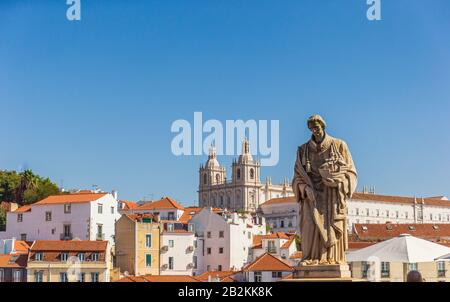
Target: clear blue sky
[(92, 102)]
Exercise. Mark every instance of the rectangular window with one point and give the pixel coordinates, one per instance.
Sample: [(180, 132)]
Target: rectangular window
[(171, 243), (191, 227), (100, 235), (63, 277), (38, 276), (39, 256), (17, 276), (2, 275), (364, 269), (208, 251), (67, 230), (221, 234), (208, 268), (19, 217), (148, 240), (23, 237), (80, 277), (385, 269), (195, 261), (64, 257), (412, 266), (48, 216), (81, 256), (219, 268), (67, 208), (220, 250), (257, 276), (282, 224), (95, 256), (170, 262), (441, 269), (170, 227), (112, 210), (94, 277), (100, 208), (271, 247), (208, 235), (171, 216), (148, 260), (276, 274)]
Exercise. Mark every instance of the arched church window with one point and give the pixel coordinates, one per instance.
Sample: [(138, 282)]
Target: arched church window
[(205, 179), (252, 173), (217, 177), (238, 173)]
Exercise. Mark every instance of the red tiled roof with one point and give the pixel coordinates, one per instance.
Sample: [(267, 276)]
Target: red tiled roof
[(129, 204), (71, 198), (164, 203), (22, 247), (23, 209), (288, 243), (296, 255), (152, 278), (217, 274), (433, 201), (140, 216), (68, 246), (375, 232), (400, 199), (281, 200), (257, 240), (13, 260), (268, 262)]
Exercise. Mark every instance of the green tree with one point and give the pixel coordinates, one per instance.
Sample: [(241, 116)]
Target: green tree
[(2, 219), (25, 187)]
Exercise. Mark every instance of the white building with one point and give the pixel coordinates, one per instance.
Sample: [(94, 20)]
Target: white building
[(178, 244), (84, 215), (281, 214), (365, 208), (280, 245), (244, 191), (267, 268), (224, 240)]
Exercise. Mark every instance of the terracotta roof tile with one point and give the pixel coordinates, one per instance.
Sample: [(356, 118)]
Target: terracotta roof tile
[(13, 260), (129, 204), (281, 200), (164, 203), (220, 274), (153, 278), (268, 262), (140, 216), (68, 246), (296, 255), (22, 247), (400, 199), (288, 243), (71, 198), (23, 209), (368, 232)]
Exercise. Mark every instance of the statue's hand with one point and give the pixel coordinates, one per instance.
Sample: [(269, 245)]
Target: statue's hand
[(330, 182)]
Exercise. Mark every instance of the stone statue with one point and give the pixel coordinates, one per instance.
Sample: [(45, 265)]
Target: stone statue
[(324, 179)]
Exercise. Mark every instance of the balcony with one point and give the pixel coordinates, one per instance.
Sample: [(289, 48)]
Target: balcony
[(68, 236), (100, 236)]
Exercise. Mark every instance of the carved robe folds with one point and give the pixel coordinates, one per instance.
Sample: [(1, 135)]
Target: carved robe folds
[(327, 168)]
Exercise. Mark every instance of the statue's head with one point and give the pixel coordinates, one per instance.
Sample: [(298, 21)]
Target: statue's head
[(317, 126)]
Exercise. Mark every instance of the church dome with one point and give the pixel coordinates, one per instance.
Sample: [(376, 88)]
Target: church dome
[(212, 161)]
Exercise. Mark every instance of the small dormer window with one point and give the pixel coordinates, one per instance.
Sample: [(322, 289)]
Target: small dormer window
[(64, 256), (81, 256), (39, 256), (170, 227)]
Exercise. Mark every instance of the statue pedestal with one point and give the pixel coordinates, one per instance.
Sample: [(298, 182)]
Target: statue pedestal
[(338, 271)]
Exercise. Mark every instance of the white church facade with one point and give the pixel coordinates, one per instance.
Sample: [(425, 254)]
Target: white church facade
[(244, 191)]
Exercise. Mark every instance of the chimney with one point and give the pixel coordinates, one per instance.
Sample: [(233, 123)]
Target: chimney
[(115, 194)]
